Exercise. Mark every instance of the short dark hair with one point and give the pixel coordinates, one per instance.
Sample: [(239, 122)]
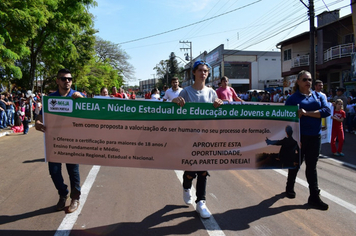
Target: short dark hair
[(175, 78), (63, 71), (101, 90), (318, 81), (223, 78), (154, 90)]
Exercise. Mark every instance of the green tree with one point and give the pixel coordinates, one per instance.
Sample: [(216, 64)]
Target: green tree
[(61, 40), (19, 22), (112, 53), (167, 69), (101, 75)]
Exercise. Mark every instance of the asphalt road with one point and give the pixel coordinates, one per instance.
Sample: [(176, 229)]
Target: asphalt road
[(130, 201)]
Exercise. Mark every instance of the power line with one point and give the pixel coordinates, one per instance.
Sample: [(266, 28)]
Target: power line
[(151, 36)]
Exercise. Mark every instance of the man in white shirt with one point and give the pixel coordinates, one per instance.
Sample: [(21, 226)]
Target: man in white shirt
[(318, 86), (174, 91), (276, 96)]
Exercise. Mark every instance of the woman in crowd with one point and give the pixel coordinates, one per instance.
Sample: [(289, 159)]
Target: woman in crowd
[(155, 94), (104, 92), (312, 107)]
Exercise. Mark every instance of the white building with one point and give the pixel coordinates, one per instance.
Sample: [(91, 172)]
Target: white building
[(245, 69)]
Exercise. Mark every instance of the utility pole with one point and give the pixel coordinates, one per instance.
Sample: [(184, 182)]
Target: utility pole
[(311, 14), (167, 74), (185, 47)]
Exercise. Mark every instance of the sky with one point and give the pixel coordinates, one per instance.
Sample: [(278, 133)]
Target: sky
[(149, 30)]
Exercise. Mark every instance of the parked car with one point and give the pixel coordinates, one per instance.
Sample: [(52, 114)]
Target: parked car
[(257, 90)]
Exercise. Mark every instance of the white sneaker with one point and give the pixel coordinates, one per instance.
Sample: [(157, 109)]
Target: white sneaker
[(202, 210), (187, 196)]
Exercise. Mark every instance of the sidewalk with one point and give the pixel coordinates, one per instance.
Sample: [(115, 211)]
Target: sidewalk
[(348, 149), (4, 132)]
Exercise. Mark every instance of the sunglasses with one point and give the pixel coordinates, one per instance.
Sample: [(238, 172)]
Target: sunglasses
[(66, 78), (307, 79)]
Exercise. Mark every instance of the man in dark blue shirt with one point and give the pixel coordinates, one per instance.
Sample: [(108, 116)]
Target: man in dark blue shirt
[(64, 82)]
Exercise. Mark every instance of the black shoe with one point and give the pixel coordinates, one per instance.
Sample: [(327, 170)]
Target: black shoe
[(61, 203), (317, 203), (290, 193)]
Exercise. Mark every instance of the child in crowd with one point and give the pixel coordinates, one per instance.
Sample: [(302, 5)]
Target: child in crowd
[(337, 130), (19, 117)]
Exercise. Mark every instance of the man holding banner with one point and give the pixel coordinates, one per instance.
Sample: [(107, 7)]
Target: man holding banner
[(174, 91), (64, 82), (198, 92), (312, 107), (226, 93)]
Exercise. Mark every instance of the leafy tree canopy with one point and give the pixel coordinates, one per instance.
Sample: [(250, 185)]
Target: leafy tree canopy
[(112, 53)]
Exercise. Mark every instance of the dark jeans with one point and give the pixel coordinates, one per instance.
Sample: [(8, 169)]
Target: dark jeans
[(201, 182), (350, 121), (310, 150), (55, 170), (26, 126)]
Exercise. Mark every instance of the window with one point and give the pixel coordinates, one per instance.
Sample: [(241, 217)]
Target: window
[(349, 38), (216, 73), (287, 54), (237, 71)]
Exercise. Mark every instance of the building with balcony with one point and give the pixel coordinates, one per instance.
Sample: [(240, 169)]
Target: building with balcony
[(245, 69), (334, 50)]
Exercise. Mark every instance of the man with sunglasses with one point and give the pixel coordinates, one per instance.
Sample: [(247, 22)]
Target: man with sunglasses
[(64, 82)]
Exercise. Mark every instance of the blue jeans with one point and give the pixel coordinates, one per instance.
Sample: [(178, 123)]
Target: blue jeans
[(3, 119), (10, 116), (55, 170)]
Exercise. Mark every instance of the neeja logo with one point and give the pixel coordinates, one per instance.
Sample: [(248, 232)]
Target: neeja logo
[(60, 105)]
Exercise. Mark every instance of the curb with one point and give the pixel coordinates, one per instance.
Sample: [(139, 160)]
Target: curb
[(6, 132)]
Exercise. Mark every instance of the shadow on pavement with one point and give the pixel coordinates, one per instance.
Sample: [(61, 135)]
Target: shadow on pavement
[(34, 160), (4, 219), (233, 220), (239, 219)]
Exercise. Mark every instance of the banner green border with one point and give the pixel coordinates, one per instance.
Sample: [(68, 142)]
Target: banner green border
[(121, 109)]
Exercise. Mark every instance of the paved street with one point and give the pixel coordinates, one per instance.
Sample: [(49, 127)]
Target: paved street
[(130, 201)]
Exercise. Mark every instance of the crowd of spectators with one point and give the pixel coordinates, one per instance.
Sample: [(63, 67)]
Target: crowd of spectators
[(276, 96), (17, 109), (16, 112), (116, 93)]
